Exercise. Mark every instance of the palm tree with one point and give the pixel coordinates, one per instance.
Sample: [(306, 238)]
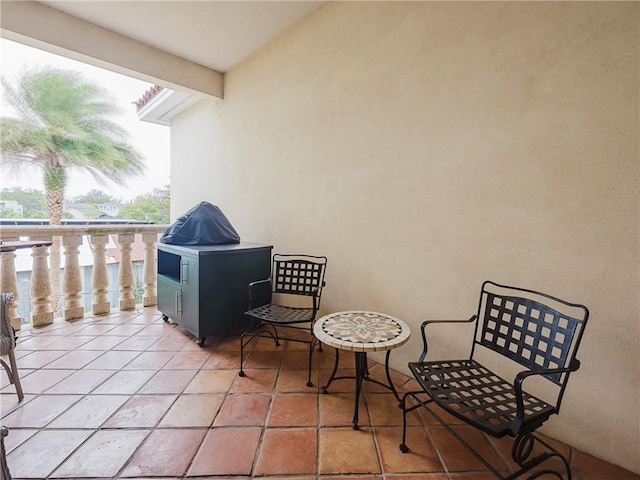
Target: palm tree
[(63, 123)]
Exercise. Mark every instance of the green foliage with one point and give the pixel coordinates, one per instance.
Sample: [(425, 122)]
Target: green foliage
[(152, 206), (33, 202), (94, 197)]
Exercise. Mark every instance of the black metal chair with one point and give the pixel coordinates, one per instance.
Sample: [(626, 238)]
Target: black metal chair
[(536, 331), (293, 277), (8, 343)]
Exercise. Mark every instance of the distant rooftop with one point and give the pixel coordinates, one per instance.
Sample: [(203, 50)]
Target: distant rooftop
[(147, 96)]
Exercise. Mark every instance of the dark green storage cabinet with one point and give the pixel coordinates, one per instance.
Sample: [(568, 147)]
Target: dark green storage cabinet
[(205, 287)]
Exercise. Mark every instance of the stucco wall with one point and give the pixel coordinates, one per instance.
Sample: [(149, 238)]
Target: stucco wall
[(425, 147)]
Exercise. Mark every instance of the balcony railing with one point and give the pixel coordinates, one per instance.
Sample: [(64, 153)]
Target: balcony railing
[(71, 239)]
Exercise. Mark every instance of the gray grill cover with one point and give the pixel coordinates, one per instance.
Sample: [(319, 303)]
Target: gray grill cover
[(204, 224)]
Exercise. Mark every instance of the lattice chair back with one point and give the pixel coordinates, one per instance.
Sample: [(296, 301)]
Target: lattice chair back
[(299, 275), (534, 329)]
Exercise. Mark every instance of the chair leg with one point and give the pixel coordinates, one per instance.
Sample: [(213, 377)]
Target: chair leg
[(13, 374), (523, 446), (16, 375), (312, 346)]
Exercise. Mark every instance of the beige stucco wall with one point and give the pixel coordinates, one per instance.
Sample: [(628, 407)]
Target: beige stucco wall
[(425, 147)]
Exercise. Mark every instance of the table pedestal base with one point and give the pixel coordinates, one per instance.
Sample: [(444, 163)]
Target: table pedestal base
[(361, 374)]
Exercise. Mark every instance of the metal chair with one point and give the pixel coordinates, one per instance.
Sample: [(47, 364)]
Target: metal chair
[(8, 343), (526, 329), (287, 301)]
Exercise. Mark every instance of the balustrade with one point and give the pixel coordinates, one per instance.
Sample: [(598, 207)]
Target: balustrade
[(72, 239)]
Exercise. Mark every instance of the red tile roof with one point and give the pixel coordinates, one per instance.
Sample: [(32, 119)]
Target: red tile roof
[(147, 96)]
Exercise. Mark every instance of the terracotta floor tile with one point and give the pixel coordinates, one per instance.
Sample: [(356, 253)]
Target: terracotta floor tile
[(71, 342), (421, 457), (336, 409), (112, 360), (290, 381), (339, 385), (141, 411), (149, 360), (126, 330), (193, 411), (288, 451), (456, 458), (169, 343), (591, 468), (344, 450), (256, 381), (103, 455), (39, 359), (188, 360), (294, 410), (40, 411), (125, 382), (385, 411), (17, 437), (156, 330), (90, 412), (42, 453), (243, 410), (231, 344), (103, 343), (168, 381), (137, 344), (75, 359), (165, 453), (41, 380), (296, 359), (425, 476), (81, 382), (264, 359), (95, 329), (211, 381), (224, 359), (226, 451)]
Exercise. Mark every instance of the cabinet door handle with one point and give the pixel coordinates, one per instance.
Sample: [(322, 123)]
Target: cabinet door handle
[(185, 272), (178, 303)]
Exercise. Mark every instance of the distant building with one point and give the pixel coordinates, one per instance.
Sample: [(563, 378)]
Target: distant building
[(86, 210), (12, 206)]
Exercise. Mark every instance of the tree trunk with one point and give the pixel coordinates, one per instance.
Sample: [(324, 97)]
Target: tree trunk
[(55, 207)]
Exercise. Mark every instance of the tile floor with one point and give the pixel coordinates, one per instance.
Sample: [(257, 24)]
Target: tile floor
[(130, 396)]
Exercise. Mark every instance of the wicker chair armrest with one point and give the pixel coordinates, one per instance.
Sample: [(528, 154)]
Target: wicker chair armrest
[(517, 385), (426, 323)]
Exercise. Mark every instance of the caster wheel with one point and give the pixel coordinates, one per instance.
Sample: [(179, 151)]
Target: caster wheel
[(165, 318), (201, 342), (404, 448), (242, 374)]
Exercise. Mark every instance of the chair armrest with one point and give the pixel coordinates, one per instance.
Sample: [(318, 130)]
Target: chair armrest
[(517, 385), (259, 293), (426, 323)]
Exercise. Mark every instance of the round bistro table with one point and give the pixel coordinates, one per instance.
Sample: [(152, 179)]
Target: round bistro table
[(361, 332)]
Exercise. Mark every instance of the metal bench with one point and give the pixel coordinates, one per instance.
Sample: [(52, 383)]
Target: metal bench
[(537, 331)]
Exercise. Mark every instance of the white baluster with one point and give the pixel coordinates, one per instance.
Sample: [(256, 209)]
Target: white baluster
[(150, 297), (9, 283), (41, 313), (100, 277), (72, 281), (127, 300)]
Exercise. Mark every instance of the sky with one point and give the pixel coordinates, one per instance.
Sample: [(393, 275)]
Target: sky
[(151, 140)]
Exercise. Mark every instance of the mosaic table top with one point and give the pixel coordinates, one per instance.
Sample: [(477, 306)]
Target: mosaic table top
[(361, 331)]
